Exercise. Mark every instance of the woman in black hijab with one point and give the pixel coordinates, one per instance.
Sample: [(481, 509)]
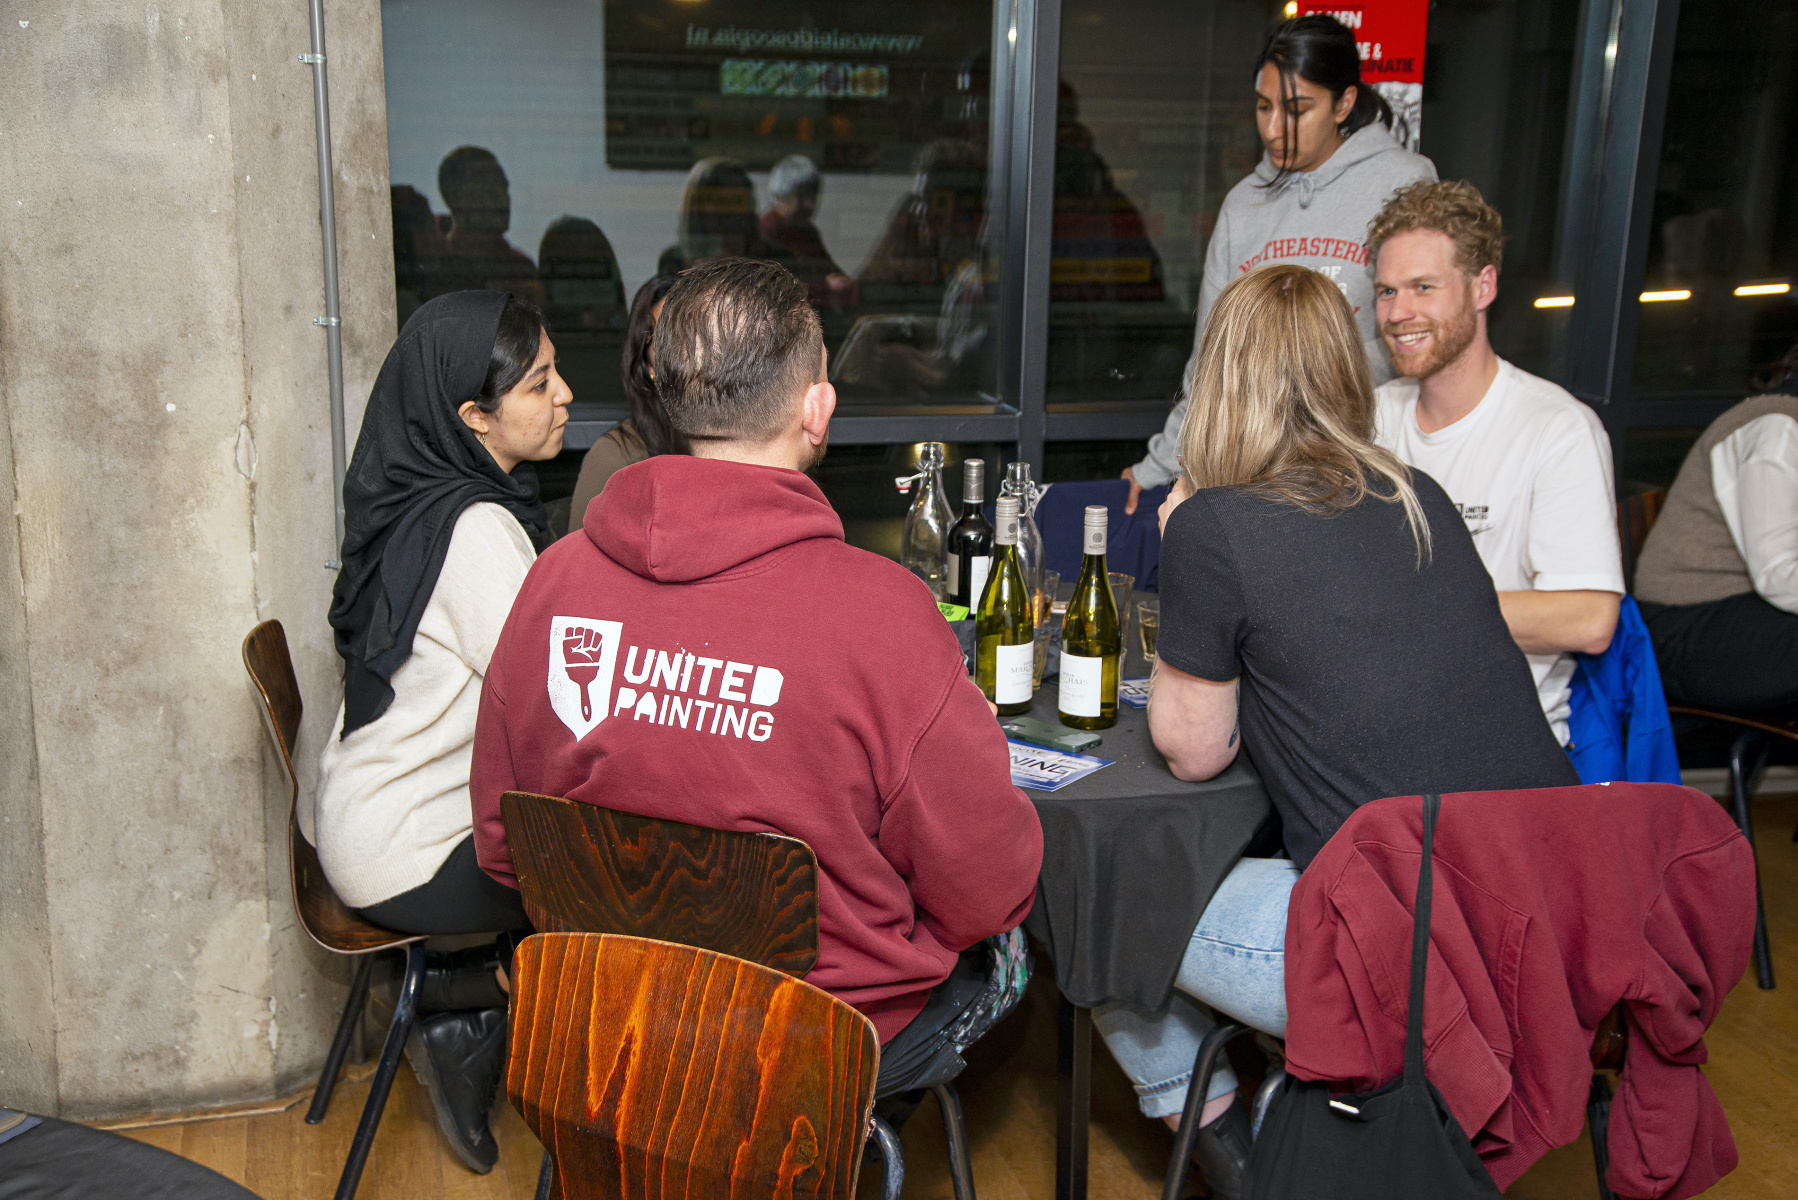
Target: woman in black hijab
[(441, 521)]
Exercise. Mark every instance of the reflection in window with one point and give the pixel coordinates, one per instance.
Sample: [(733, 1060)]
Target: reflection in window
[(1724, 245), (566, 150)]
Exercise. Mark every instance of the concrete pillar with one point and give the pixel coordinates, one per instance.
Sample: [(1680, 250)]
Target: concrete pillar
[(165, 456)]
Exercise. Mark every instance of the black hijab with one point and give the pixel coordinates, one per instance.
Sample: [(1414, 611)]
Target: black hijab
[(417, 466)]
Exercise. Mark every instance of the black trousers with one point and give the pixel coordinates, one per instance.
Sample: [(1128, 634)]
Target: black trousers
[(1737, 654), (459, 898)]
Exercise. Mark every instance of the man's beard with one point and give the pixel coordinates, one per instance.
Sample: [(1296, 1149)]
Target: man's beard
[(818, 453), (1445, 344)]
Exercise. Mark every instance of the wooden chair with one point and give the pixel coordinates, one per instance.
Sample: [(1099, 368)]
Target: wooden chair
[(1748, 756), (654, 1070), (324, 917), (754, 896)]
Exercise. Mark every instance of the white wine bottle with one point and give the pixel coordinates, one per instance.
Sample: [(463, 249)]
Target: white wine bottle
[(1091, 644), (1005, 652)]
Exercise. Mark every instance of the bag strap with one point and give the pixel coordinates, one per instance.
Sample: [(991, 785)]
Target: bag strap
[(1420, 946)]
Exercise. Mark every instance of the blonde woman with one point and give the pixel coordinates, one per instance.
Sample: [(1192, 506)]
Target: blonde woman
[(1324, 608)]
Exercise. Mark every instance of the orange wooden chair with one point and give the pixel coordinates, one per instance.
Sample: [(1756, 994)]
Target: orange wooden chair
[(324, 917), (654, 1071), (754, 896)]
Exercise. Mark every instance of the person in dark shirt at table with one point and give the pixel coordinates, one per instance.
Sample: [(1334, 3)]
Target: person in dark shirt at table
[(1323, 607)]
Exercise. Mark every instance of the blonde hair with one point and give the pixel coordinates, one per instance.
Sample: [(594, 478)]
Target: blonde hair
[(1280, 401)]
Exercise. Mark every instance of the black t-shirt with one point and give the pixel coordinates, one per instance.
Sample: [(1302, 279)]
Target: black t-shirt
[(1363, 674)]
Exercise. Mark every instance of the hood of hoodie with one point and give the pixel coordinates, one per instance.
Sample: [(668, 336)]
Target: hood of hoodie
[(676, 519), (1367, 143)]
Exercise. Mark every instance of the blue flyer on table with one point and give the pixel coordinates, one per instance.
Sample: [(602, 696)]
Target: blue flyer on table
[(1134, 692), (1047, 770)]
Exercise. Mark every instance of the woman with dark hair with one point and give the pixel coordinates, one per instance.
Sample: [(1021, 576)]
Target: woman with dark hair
[(441, 521), (647, 432), (1331, 162)]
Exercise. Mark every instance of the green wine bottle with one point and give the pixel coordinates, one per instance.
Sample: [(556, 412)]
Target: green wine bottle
[(1091, 644), (1006, 649)]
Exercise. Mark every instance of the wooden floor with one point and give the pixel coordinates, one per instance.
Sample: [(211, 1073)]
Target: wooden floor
[(1009, 1094)]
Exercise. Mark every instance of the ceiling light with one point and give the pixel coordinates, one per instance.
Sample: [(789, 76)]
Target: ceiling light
[(1555, 302), (1763, 289), (1657, 297)]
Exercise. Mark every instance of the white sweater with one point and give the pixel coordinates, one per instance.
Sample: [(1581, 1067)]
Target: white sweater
[(393, 796)]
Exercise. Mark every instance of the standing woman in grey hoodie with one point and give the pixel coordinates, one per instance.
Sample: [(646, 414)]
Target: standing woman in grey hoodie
[(1331, 162)]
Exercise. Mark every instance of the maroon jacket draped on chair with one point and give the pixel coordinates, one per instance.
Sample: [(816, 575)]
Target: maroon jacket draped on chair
[(1550, 907)]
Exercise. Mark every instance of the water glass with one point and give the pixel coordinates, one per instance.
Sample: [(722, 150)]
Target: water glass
[(1121, 586), (1148, 625)]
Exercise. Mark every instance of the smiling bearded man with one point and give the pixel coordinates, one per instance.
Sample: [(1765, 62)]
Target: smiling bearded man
[(1527, 464)]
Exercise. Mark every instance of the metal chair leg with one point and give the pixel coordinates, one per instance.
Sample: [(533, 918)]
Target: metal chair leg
[(1598, 1116), (1745, 760), (404, 1010), (1203, 1067), (961, 1170), (546, 1175), (348, 1026), (1264, 1096), (892, 1159)]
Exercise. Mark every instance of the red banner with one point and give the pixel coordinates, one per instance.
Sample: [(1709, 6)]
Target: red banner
[(1390, 34)]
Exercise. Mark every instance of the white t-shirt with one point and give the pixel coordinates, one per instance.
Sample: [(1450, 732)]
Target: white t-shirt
[(1530, 470), (1754, 474), (393, 796)]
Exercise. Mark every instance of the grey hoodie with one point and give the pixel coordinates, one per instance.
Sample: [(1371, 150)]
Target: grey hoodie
[(1318, 220)]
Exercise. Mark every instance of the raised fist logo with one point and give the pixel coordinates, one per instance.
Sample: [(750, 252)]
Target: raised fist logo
[(581, 651), (582, 655)]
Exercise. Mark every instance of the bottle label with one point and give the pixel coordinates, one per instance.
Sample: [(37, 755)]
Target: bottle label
[(1011, 673), (953, 576), (1082, 685), (982, 566), (1095, 540)]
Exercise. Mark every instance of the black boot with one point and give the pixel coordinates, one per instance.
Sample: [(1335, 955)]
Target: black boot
[(458, 980), (459, 1057), (1222, 1151)]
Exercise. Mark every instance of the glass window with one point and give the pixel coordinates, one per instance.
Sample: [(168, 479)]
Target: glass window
[(1718, 304), (567, 151), (1157, 123)]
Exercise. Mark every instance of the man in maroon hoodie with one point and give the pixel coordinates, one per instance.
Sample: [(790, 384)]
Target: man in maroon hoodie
[(708, 649)]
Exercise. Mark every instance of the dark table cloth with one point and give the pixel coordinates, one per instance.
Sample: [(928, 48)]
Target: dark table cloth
[(1131, 857)]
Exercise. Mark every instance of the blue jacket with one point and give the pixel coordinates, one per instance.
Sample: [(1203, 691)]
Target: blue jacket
[(1619, 726)]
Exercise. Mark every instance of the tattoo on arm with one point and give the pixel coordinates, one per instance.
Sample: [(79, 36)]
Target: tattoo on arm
[(1234, 730)]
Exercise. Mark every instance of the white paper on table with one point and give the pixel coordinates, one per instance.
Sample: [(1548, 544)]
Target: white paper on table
[(1048, 770), (1134, 692)]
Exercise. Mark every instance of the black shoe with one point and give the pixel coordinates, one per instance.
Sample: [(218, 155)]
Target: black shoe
[(459, 1057), (1222, 1151), (459, 980)]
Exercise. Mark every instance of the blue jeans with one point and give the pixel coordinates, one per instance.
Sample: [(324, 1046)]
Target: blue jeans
[(1236, 963)]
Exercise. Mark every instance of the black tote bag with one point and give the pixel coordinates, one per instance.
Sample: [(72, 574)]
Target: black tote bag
[(1397, 1143)]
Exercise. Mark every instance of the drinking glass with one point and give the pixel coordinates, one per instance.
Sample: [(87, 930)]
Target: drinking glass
[(1148, 625), (1045, 595), (1121, 585), (1045, 634)]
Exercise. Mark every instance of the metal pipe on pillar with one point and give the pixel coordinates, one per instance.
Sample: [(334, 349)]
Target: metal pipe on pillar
[(327, 219)]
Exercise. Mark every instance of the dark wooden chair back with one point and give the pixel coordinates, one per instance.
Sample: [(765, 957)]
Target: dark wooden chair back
[(586, 869), (654, 1071), (1635, 517), (322, 915)]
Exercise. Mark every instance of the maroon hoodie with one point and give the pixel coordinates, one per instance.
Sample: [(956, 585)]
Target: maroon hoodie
[(744, 668), (1549, 906)]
